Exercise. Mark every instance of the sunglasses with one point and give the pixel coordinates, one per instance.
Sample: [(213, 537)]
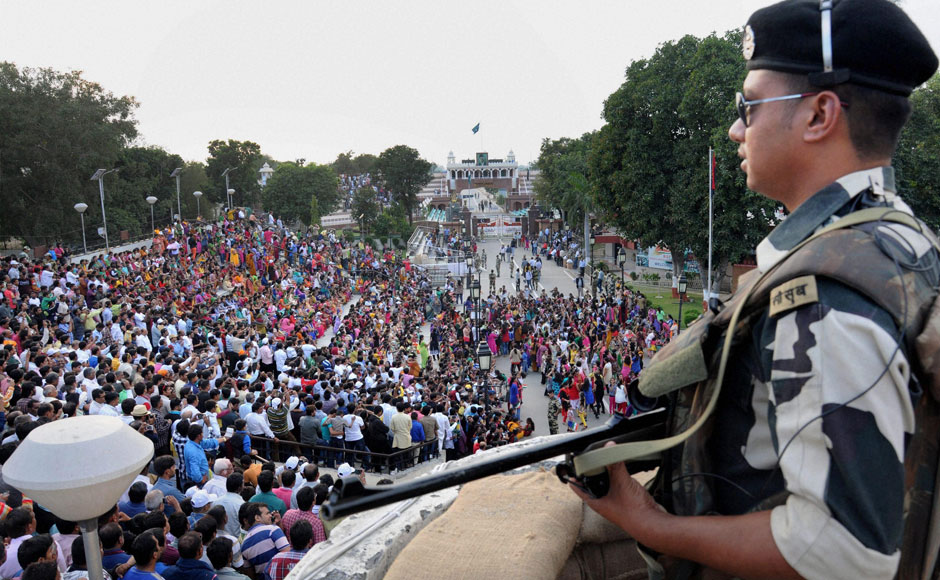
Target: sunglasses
[(743, 105)]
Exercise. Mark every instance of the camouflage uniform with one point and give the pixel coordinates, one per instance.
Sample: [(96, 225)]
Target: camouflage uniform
[(815, 410), (553, 410)]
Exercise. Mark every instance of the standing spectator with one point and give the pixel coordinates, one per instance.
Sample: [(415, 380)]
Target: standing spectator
[(189, 566), (232, 501), (219, 552), (265, 483)]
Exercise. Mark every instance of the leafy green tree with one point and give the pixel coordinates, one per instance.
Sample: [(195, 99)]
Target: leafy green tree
[(56, 129), (562, 184), (303, 194), (403, 172), (193, 178), (393, 221), (916, 159), (245, 159), (649, 163), (365, 207), (142, 172), (344, 164), (364, 163)]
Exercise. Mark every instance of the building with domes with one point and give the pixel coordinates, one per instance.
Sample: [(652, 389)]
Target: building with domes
[(481, 171)]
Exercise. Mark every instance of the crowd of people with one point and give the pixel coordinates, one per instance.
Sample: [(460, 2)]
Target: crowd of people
[(238, 344)]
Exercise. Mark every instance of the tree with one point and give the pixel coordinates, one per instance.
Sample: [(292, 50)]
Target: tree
[(649, 162), (365, 207), (364, 163), (916, 159), (561, 182), (245, 159), (142, 172), (391, 222), (192, 179), (303, 194), (56, 129), (403, 172), (344, 164)]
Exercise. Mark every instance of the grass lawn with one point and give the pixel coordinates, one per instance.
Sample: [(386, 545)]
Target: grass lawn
[(662, 297)]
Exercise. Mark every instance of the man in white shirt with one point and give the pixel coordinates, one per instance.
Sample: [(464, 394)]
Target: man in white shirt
[(258, 421)]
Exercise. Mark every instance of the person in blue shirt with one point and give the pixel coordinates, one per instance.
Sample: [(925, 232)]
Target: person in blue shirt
[(189, 566), (146, 551), (165, 468), (194, 454), (135, 504), (112, 541)]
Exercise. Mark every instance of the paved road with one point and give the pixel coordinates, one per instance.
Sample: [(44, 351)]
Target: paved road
[(534, 403)]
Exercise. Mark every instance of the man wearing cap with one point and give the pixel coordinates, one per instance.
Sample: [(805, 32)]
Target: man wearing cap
[(201, 500), (804, 454)]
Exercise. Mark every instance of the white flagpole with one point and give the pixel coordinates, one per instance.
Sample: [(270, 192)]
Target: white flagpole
[(711, 194)]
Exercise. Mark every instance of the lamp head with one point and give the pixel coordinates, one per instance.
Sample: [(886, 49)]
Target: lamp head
[(81, 207)]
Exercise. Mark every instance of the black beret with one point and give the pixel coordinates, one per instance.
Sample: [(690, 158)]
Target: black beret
[(874, 44)]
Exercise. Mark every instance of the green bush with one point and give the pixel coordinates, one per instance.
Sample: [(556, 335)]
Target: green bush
[(633, 276), (689, 316)]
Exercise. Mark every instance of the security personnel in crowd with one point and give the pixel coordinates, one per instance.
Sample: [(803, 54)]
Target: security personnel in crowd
[(803, 466)]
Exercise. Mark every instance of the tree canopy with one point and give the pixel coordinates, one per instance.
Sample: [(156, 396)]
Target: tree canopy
[(301, 193), (245, 159), (403, 172), (562, 183), (916, 160), (649, 162), (365, 207), (56, 130)]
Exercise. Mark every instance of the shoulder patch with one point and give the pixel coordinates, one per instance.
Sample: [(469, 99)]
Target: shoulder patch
[(793, 294)]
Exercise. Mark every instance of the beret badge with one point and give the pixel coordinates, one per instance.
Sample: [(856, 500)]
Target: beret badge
[(748, 44)]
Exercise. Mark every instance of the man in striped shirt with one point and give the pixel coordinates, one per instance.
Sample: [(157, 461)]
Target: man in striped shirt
[(263, 540)]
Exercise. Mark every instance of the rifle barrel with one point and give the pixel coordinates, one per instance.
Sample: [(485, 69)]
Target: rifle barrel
[(349, 496)]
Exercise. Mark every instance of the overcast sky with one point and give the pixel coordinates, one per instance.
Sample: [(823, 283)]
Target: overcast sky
[(311, 79)]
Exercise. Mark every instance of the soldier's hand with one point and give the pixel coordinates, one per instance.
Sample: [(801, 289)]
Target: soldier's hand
[(627, 504)]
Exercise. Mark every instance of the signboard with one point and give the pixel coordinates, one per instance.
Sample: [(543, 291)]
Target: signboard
[(501, 226), (661, 259)]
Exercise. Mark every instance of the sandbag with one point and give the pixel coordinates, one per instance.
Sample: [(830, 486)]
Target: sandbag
[(505, 526)]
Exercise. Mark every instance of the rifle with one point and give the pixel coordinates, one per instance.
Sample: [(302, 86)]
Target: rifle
[(350, 496)]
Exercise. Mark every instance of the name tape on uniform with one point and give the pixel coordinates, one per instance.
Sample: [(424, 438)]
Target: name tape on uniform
[(793, 294)]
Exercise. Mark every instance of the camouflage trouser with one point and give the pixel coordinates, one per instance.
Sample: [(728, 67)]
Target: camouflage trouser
[(553, 425)]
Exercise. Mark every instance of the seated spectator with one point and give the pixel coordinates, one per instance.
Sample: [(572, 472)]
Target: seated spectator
[(20, 525), (220, 554), (263, 540), (79, 569), (67, 532), (265, 496), (189, 566), (39, 548), (231, 501), (41, 571), (287, 479), (304, 511), (200, 503), (135, 504), (218, 514), (146, 552), (301, 538), (112, 542)]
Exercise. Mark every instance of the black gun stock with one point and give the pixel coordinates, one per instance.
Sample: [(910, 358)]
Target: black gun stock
[(350, 496)]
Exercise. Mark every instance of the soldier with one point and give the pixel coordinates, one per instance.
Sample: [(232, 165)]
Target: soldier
[(493, 280), (806, 449), (553, 410)]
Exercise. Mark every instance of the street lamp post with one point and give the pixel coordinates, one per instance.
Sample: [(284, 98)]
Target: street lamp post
[(110, 456), (99, 177), (198, 194), (231, 198), (176, 174), (485, 358), (80, 208), (683, 284), (152, 200), (227, 191), (475, 299), (622, 261)]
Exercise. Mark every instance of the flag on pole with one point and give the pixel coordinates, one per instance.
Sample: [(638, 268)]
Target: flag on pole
[(714, 171), (476, 128)]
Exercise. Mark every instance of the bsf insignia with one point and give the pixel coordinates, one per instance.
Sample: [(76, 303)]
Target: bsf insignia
[(748, 44), (793, 294)]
